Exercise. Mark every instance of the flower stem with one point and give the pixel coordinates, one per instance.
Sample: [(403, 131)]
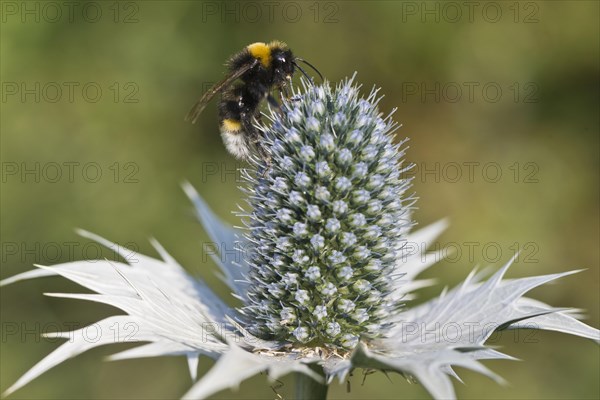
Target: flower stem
[(309, 389)]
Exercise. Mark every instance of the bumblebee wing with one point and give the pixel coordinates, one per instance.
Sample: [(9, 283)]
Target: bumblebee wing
[(218, 87)]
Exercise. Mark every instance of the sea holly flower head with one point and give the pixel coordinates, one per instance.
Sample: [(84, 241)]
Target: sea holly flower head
[(331, 231), (329, 267)]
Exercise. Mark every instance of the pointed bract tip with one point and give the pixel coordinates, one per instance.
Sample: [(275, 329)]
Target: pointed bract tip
[(189, 190)]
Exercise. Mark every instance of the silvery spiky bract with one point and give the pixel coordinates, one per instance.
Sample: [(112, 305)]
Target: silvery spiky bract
[(328, 269)]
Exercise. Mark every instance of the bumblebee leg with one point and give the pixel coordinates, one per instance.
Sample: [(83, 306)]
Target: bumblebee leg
[(263, 153), (286, 94), (272, 101), (254, 136)]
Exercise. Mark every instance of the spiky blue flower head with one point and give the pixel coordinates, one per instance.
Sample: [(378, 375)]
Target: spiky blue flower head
[(328, 220)]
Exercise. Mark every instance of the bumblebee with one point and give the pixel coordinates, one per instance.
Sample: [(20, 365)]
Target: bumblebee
[(253, 74)]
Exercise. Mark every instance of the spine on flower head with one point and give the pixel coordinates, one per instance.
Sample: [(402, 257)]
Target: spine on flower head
[(327, 222)]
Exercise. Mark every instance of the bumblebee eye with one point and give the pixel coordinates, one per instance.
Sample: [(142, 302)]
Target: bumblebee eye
[(280, 60)]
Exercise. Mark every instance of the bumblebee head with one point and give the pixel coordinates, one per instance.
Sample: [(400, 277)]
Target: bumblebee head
[(283, 62)]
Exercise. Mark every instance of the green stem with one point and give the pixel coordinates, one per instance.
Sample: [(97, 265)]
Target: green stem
[(309, 389)]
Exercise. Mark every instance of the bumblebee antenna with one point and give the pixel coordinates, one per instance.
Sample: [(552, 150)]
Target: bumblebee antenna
[(310, 65), (305, 74)]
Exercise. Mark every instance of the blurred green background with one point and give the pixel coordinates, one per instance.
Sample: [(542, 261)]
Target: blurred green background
[(506, 88)]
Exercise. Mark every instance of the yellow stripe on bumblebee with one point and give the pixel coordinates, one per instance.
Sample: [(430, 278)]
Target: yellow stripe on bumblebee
[(262, 52), (231, 125)]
